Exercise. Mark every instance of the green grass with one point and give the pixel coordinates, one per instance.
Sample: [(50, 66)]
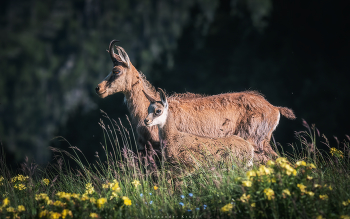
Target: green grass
[(127, 185)]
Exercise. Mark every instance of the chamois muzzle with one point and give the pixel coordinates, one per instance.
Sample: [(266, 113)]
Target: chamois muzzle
[(147, 122), (100, 89)]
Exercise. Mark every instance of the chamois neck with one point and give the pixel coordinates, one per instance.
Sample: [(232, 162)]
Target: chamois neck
[(169, 129), (136, 101)]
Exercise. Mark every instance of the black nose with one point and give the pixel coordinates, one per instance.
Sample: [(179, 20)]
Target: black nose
[(97, 88), (146, 121)]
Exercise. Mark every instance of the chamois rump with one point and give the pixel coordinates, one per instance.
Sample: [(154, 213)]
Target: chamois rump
[(181, 147), (245, 114)]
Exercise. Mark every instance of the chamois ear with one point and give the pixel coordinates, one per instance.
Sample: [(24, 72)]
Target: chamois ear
[(111, 51), (123, 56), (163, 97), (151, 99)]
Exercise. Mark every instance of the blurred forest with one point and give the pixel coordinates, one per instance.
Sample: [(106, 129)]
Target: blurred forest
[(53, 54)]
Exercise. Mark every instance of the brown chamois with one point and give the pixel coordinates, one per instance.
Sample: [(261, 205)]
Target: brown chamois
[(245, 114), (187, 148)]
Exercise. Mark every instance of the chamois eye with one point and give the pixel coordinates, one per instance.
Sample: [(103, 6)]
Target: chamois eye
[(158, 111), (116, 72)]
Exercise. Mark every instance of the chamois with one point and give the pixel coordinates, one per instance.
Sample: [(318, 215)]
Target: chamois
[(245, 114), (183, 147)]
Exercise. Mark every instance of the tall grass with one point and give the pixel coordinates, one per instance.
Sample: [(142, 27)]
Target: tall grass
[(127, 183)]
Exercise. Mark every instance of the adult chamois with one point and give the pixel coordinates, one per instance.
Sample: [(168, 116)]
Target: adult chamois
[(245, 114), (181, 147)]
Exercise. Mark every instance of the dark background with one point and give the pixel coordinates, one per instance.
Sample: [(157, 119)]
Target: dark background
[(53, 54)]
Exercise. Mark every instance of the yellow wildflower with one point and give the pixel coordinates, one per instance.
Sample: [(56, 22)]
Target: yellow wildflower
[(21, 208), (281, 160), (155, 187), (344, 217), (265, 171), (324, 197), (10, 209), (127, 201), (302, 187), (54, 215), (63, 195), (20, 186), (43, 213), (19, 178), (310, 193), (114, 195), (93, 215), (273, 180), (330, 188), (253, 205), (93, 200), (58, 203), (286, 191), (317, 185), (319, 217), (289, 169), (311, 166), (115, 187), (22, 178), (41, 196), (101, 202), (270, 163), (84, 197), (227, 207), (76, 196), (346, 203), (309, 177), (269, 193), (89, 189), (136, 183), (337, 153), (301, 163), (46, 181), (5, 202), (251, 173), (247, 183), (66, 212), (245, 198)]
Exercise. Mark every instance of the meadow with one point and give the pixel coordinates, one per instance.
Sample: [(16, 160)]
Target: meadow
[(307, 182)]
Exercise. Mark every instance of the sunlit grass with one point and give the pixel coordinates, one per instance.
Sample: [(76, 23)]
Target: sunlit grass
[(308, 183)]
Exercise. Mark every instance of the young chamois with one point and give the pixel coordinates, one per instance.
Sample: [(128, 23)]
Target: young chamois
[(245, 114), (188, 148)]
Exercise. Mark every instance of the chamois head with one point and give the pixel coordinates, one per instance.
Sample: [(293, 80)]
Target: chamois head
[(157, 110), (120, 78)]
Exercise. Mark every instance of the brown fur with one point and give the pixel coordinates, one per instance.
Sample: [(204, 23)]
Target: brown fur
[(188, 148), (245, 114)]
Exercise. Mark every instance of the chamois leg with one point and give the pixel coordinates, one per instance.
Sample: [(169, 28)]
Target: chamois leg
[(267, 147)]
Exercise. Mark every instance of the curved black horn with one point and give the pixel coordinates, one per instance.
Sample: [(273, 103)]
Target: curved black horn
[(111, 51)]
